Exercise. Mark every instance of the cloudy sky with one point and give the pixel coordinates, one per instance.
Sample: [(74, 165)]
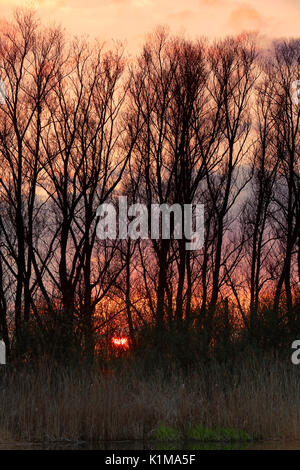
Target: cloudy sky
[(130, 20)]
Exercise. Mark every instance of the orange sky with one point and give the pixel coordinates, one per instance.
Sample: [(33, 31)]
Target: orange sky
[(130, 20)]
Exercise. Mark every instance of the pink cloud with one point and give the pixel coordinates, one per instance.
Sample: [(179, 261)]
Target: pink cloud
[(246, 17), (213, 3), (181, 15)]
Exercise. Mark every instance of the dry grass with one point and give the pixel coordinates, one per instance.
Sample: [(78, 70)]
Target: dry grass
[(258, 395)]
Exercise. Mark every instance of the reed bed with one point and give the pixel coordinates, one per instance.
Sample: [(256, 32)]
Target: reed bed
[(259, 395)]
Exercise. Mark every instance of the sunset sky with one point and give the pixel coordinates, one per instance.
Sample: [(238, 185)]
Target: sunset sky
[(131, 20)]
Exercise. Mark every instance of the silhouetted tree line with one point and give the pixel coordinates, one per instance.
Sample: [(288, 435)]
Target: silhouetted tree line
[(184, 122)]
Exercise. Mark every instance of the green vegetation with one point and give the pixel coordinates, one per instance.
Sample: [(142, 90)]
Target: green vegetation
[(219, 434), (166, 433), (202, 434)]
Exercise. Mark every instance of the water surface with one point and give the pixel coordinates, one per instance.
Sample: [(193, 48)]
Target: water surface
[(156, 446)]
